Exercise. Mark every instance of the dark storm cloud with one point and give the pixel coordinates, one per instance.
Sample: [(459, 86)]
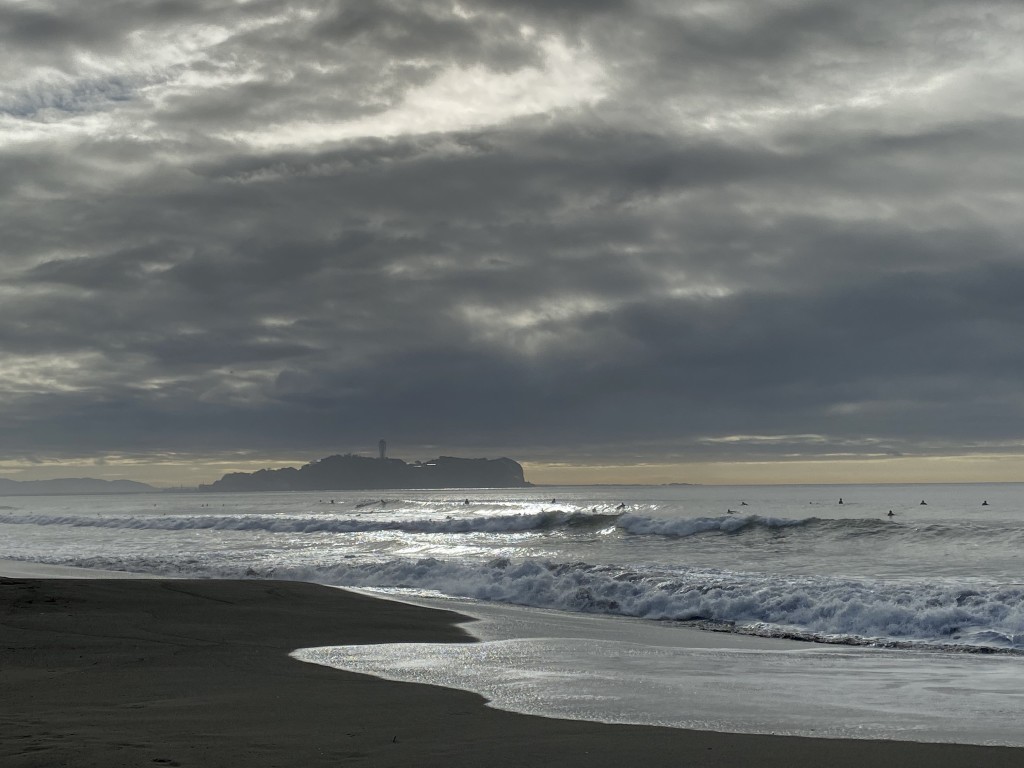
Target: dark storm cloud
[(762, 228)]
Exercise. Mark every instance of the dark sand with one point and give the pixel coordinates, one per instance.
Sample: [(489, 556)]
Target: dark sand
[(196, 673)]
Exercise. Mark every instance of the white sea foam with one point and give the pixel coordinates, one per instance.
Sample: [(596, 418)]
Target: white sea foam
[(823, 609), (540, 521), (831, 610), (19, 569)]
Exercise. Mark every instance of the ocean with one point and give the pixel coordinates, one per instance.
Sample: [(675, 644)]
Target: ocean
[(670, 605)]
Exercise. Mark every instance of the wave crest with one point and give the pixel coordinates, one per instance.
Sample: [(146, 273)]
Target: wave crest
[(540, 521), (979, 619), (680, 528)]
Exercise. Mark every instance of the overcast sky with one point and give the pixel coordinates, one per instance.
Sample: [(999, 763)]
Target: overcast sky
[(736, 240)]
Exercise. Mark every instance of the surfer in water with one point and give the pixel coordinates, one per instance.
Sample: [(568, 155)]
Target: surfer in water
[(891, 514)]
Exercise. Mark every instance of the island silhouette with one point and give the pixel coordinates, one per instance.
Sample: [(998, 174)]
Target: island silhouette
[(352, 472)]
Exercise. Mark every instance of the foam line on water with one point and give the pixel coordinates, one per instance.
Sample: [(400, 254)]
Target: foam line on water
[(827, 610), (505, 523)]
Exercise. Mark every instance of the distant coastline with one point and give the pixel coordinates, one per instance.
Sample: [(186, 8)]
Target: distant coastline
[(71, 486), (351, 473)]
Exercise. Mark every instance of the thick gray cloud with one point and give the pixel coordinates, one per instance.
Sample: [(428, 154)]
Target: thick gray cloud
[(611, 231)]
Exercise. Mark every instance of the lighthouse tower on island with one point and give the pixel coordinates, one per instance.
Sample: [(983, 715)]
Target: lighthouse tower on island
[(382, 447)]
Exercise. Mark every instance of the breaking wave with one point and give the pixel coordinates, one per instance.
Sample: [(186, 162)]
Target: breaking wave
[(547, 520), (910, 614)]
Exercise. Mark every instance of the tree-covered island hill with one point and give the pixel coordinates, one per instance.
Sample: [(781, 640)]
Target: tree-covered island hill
[(351, 472)]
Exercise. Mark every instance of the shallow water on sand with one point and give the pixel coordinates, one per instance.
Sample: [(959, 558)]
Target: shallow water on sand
[(626, 671)]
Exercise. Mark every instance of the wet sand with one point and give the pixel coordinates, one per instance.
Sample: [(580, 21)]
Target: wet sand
[(126, 672)]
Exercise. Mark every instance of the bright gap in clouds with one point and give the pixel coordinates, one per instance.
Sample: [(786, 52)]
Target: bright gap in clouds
[(46, 373), (531, 330), (461, 98)]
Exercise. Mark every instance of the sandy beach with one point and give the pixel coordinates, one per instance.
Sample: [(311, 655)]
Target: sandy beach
[(147, 672)]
